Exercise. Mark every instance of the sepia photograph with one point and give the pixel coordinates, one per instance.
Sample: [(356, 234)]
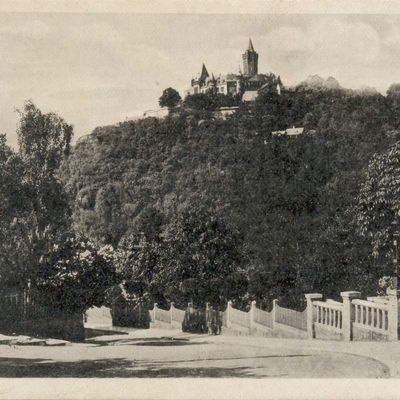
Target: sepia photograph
[(199, 196)]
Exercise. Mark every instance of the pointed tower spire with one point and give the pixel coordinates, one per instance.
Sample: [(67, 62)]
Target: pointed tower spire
[(251, 48), (204, 73), (279, 86), (250, 61)]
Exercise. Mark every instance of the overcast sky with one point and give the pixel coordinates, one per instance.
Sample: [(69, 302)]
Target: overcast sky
[(96, 69)]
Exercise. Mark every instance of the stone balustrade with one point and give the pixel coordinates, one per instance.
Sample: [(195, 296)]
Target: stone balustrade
[(372, 316), (351, 319)]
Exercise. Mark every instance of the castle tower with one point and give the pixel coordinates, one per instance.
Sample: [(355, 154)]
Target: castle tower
[(250, 61), (204, 74)]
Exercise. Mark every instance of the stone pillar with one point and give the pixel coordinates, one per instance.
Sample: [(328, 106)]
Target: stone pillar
[(310, 312), (154, 312), (274, 305), (348, 314), (251, 315), (208, 320), (393, 313), (228, 311), (171, 311)]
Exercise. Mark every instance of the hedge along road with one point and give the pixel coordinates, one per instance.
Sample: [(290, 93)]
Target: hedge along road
[(165, 353)]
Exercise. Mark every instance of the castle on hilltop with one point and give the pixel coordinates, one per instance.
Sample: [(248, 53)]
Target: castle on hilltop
[(247, 83)]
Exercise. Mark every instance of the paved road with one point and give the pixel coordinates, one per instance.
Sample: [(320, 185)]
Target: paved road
[(167, 353)]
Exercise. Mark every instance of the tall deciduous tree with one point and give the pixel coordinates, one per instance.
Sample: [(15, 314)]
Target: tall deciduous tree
[(170, 98), (76, 275), (44, 140), (12, 212), (197, 258), (37, 244), (203, 260), (378, 205)]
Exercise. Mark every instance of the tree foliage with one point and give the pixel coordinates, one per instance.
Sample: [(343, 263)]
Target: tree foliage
[(76, 275), (44, 141), (378, 205), (291, 198), (197, 258), (210, 101), (37, 245), (170, 98)]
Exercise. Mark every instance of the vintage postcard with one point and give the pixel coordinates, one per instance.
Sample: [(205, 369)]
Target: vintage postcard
[(199, 199)]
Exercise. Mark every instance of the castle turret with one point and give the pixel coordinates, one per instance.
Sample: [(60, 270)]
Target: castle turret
[(250, 61), (204, 74)]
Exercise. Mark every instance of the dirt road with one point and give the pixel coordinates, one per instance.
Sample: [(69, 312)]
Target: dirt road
[(166, 353)]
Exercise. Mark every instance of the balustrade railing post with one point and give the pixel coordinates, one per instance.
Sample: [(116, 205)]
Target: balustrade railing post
[(393, 313), (252, 315), (154, 312), (208, 322), (310, 312), (228, 312), (274, 306), (189, 311), (171, 310), (348, 313)]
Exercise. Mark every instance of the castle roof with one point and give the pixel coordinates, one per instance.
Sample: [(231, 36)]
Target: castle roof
[(251, 48), (204, 73)]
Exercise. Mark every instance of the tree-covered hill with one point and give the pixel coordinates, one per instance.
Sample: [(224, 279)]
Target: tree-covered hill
[(291, 198)]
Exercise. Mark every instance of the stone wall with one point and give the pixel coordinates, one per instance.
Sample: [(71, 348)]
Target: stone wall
[(286, 331), (68, 327), (323, 333), (361, 333)]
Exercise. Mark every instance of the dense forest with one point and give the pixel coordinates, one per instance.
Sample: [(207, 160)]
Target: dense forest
[(294, 208)]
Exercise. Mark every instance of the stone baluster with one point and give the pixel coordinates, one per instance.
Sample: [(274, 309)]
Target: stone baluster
[(154, 312), (274, 306), (252, 315), (228, 312), (171, 311)]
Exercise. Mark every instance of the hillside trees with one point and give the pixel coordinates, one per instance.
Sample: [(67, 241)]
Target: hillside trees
[(290, 198), (210, 101)]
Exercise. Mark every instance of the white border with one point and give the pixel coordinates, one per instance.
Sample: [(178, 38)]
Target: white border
[(199, 388), (205, 6), (187, 388)]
